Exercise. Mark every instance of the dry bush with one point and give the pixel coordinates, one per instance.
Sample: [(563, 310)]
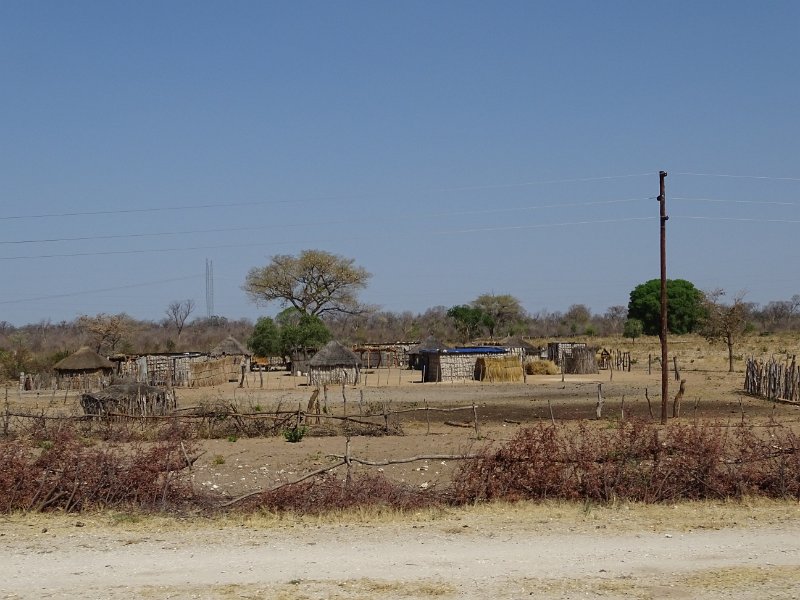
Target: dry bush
[(637, 461), (541, 367), (330, 493), (64, 473)]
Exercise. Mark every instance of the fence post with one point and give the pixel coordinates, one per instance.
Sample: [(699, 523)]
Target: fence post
[(427, 417), (6, 416), (475, 416), (599, 407)]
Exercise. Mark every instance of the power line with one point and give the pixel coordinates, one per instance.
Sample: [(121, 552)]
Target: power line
[(262, 244), (742, 219), (98, 291), (548, 225), (739, 176), (319, 223), (308, 200), (725, 201)]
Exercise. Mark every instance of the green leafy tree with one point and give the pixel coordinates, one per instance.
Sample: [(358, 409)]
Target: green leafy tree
[(468, 320), (308, 333), (724, 322), (314, 282), (265, 339), (502, 312), (632, 329), (684, 306)]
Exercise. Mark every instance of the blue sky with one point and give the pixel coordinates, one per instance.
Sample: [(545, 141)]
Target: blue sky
[(451, 148)]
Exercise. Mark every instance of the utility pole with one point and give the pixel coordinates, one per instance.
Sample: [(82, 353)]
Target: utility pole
[(662, 201)]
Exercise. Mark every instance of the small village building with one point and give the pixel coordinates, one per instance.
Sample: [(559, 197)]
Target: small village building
[(517, 345), (84, 370), (557, 351), (416, 355), (334, 364), (456, 364), (581, 361)]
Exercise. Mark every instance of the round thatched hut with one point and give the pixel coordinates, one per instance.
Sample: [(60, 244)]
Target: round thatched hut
[(83, 369), (334, 364)]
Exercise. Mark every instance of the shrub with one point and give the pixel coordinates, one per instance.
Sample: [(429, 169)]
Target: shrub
[(295, 434)]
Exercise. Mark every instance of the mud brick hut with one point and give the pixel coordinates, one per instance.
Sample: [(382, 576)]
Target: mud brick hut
[(83, 370), (334, 364), (457, 364)]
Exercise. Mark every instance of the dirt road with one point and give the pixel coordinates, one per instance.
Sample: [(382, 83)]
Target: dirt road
[(559, 551)]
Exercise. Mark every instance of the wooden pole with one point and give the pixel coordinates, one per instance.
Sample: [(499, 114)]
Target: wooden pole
[(599, 407), (662, 201)]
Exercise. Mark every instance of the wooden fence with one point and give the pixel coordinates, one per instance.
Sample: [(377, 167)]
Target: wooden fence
[(773, 379)]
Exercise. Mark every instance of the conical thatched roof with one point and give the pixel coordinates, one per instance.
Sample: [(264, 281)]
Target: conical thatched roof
[(429, 344), (230, 346), (85, 359), (333, 354)]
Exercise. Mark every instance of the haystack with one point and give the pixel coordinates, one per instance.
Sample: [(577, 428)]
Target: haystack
[(134, 399), (334, 364), (499, 369)]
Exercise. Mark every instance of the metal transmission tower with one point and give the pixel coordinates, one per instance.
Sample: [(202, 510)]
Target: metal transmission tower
[(209, 288)]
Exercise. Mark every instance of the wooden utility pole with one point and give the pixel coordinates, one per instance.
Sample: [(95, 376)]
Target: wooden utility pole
[(662, 201)]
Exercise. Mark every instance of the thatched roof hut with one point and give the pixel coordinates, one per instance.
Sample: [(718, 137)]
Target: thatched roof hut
[(230, 346), (334, 364), (84, 369), (517, 345), (85, 360)]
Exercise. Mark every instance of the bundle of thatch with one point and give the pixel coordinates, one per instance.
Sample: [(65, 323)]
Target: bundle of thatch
[(134, 399), (499, 369)]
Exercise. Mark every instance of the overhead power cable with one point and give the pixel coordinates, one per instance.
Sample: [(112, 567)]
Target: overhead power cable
[(725, 201), (308, 200), (98, 291), (392, 219), (738, 176), (263, 244)]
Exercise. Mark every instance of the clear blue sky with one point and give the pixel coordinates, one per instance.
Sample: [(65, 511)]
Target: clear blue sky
[(451, 148)]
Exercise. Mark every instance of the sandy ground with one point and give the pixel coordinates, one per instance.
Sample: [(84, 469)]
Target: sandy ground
[(541, 551)]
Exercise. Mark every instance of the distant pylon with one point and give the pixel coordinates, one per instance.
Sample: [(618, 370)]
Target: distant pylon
[(209, 288)]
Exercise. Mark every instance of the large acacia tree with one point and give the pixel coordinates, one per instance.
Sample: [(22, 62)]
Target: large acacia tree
[(314, 282)]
